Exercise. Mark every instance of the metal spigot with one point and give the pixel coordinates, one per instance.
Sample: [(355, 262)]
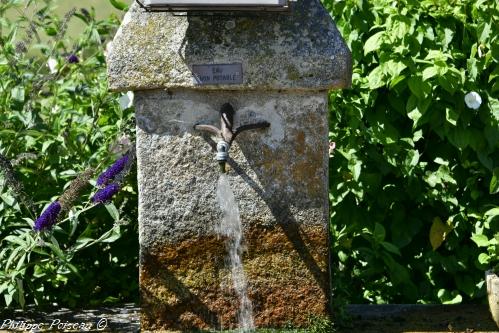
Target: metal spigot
[(227, 133)]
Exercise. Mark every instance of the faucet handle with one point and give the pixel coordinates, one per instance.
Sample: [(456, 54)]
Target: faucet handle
[(261, 124), (208, 128)]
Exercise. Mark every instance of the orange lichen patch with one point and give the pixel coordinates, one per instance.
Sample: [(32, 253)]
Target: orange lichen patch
[(186, 286), (278, 305), (288, 238), (301, 169), (300, 142), (308, 170)]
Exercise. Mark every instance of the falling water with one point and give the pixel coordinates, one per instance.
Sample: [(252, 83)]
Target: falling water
[(231, 227)]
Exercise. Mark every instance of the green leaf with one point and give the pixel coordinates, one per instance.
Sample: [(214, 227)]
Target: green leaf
[(472, 68), (51, 31), (494, 182), (374, 42), (430, 72), (412, 109), (13, 255), (17, 94), (416, 109), (379, 233), (404, 230), (54, 246), (491, 214), (441, 161), (398, 273), (391, 248), (376, 78), (438, 233), (395, 81), (119, 5), (466, 284), (483, 31), (412, 158), (447, 297), (46, 145), (480, 240), (8, 199), (393, 68), (20, 292), (112, 235), (419, 87), (483, 258), (451, 80), (82, 243), (113, 211), (16, 240), (9, 297), (494, 107), (451, 116), (418, 135)]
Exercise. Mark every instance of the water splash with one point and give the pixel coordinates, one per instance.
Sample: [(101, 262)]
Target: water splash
[(231, 227)]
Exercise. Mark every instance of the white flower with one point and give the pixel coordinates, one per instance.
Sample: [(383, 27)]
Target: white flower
[(52, 63), (126, 101), (473, 100)]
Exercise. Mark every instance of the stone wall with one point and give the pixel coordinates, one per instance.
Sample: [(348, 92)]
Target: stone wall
[(279, 177)]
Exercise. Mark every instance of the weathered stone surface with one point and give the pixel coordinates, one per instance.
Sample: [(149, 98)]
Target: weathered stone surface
[(186, 286), (279, 177), (281, 171), (297, 50)]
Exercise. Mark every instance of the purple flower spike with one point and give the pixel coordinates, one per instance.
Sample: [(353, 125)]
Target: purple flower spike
[(113, 171), (73, 59), (105, 195), (48, 217)]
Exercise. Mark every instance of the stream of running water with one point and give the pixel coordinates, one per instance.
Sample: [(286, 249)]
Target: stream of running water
[(230, 227)]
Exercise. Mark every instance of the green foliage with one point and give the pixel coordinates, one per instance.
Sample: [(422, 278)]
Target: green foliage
[(119, 5), (58, 119), (414, 166)]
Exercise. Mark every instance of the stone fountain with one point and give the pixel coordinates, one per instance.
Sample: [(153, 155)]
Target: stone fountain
[(273, 68)]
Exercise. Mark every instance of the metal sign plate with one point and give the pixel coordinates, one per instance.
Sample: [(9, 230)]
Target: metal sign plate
[(215, 2), (216, 5), (217, 74)]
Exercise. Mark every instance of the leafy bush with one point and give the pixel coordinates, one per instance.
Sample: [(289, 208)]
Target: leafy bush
[(58, 123), (414, 175)]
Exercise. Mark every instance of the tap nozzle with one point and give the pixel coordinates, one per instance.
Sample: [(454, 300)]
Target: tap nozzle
[(222, 154)]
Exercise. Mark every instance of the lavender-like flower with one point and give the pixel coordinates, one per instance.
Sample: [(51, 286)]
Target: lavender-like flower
[(48, 217), (73, 59), (6, 167), (75, 189), (113, 170), (105, 195)]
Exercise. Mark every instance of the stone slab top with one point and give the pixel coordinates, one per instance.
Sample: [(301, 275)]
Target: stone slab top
[(296, 50)]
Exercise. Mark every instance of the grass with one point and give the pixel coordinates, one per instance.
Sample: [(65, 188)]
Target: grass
[(103, 9)]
